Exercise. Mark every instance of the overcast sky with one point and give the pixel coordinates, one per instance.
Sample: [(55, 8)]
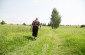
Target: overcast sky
[(18, 11)]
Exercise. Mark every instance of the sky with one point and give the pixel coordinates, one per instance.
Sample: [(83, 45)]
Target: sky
[(72, 12)]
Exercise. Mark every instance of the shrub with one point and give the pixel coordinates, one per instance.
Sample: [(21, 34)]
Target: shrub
[(24, 24), (2, 22), (82, 26)]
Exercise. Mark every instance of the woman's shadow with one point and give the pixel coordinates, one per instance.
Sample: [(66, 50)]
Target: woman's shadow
[(28, 37)]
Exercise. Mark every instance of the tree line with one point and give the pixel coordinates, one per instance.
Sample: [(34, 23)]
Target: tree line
[(54, 20)]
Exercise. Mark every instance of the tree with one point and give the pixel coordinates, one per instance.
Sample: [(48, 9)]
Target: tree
[(43, 24), (3, 22), (82, 26), (55, 19), (24, 24), (49, 24)]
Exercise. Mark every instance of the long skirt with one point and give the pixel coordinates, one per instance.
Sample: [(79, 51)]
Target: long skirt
[(35, 31)]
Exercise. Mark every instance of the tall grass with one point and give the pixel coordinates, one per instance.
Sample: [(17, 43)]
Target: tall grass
[(11, 37), (17, 40)]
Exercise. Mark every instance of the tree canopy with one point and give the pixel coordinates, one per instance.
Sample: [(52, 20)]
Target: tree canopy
[(55, 19)]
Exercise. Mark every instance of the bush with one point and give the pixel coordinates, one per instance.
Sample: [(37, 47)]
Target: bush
[(2, 22), (24, 24), (49, 24), (82, 26), (43, 24)]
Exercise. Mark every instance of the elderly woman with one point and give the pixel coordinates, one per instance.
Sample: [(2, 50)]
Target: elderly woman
[(35, 27)]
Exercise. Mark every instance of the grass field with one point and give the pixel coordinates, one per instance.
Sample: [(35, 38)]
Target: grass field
[(66, 40)]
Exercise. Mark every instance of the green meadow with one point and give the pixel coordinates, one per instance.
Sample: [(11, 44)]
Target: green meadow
[(66, 40)]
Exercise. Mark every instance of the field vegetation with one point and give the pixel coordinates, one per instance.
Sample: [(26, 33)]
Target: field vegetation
[(66, 40)]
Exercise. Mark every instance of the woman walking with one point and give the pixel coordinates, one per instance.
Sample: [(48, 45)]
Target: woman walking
[(35, 27)]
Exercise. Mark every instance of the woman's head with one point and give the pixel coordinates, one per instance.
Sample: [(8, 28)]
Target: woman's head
[(36, 18)]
